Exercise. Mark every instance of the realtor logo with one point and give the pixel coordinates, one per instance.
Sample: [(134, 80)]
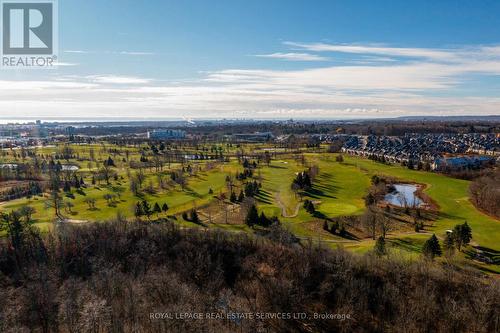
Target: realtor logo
[(29, 33)]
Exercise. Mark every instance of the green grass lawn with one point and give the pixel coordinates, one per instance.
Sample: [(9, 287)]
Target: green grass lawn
[(338, 190), (450, 194)]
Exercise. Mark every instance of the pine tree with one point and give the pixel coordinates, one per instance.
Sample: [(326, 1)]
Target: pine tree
[(466, 233), (252, 216), (109, 162), (335, 227), (457, 236), (164, 207), (194, 216), (462, 235), (138, 210), (156, 209), (432, 248), (232, 198), (146, 208), (241, 196), (449, 243), (325, 225), (380, 246), (263, 220)]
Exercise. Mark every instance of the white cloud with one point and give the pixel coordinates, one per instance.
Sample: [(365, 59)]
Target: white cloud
[(372, 49), (65, 64), (76, 51), (113, 79), (378, 88), (136, 53), (293, 56)]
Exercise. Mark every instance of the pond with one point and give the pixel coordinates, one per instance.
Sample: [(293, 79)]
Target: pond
[(8, 166), (69, 167), (404, 195)]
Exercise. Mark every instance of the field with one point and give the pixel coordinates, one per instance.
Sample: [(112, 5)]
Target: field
[(338, 190)]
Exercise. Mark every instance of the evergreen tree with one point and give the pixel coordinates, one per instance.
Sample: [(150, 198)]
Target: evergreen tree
[(156, 209), (432, 248), (449, 243), (380, 246), (462, 235), (146, 208), (138, 210), (325, 225), (109, 162), (164, 207), (67, 187), (241, 196), (232, 198), (194, 216), (342, 230), (263, 220), (466, 233), (335, 227), (252, 216)]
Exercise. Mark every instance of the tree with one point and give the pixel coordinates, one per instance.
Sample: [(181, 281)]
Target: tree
[(90, 202), (146, 208), (233, 198), (164, 207), (252, 216), (55, 202), (263, 220), (462, 235), (325, 225), (309, 207), (27, 212), (241, 196), (369, 220), (138, 210), (466, 233), (449, 244), (432, 248), (380, 246), (68, 206), (156, 209), (109, 162), (108, 197), (335, 227), (134, 186), (194, 216)]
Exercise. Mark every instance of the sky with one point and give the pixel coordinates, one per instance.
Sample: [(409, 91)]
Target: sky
[(270, 59)]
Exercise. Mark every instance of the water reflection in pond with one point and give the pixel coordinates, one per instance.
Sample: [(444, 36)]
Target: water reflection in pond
[(404, 196), (68, 167)]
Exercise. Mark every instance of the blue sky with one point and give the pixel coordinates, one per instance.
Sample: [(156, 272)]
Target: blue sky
[(265, 59)]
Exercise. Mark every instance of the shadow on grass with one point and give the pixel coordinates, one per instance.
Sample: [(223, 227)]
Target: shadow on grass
[(407, 245), (348, 235), (317, 193)]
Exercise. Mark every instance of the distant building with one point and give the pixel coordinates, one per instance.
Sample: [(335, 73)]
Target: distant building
[(253, 137), (461, 163), (167, 134)]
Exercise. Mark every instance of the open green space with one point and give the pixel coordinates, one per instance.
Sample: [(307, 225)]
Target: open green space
[(338, 190)]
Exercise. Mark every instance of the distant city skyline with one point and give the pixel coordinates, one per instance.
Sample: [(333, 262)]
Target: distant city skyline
[(264, 60)]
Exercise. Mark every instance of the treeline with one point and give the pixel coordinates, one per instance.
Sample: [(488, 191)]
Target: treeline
[(109, 277), (485, 192), (26, 190)]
